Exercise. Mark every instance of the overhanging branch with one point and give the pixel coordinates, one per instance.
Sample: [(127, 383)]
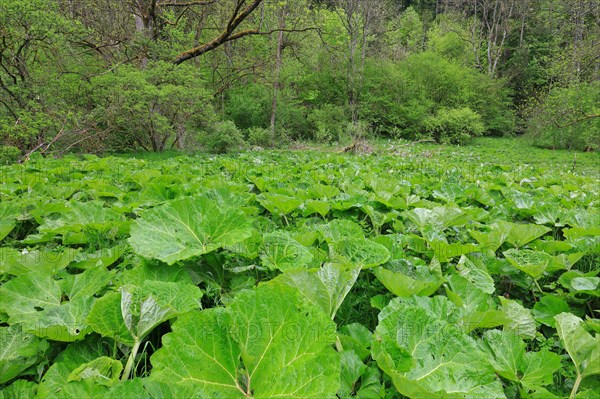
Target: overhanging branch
[(236, 19)]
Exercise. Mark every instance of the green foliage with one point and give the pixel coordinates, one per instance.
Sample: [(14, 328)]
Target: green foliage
[(454, 126), (424, 88), (259, 136), (328, 123), (222, 138), (249, 106), (9, 154), (282, 350), (155, 108), (567, 118), (456, 272)]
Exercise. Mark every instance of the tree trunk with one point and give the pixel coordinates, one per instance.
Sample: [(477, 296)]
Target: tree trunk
[(278, 64)]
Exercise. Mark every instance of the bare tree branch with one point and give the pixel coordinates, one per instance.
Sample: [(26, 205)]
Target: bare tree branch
[(237, 17)]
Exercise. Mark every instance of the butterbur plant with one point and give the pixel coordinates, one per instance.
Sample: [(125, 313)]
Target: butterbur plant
[(300, 275)]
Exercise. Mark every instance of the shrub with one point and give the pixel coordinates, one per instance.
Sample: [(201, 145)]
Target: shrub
[(9, 154), (564, 119), (328, 123), (454, 125), (249, 106), (224, 137), (259, 136), (153, 108)]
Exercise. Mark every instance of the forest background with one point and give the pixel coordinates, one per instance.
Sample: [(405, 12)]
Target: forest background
[(99, 76)]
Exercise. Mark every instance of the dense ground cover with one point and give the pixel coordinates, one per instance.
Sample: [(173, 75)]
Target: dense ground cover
[(424, 271)]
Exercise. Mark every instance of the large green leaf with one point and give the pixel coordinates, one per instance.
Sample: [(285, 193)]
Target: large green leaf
[(581, 346), (145, 307), (19, 263), (444, 251), (103, 370), (8, 218), (357, 338), (477, 308), (361, 251), (418, 346), (407, 280), (533, 263), (186, 228), (511, 361), (258, 347), (340, 229), (18, 351), (280, 251), (326, 287), (547, 307), (521, 320), (66, 323), (56, 382), (520, 234), (279, 204), (476, 273), (20, 389), (27, 295), (106, 319)]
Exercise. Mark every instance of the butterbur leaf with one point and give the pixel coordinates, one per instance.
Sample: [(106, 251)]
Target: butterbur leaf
[(444, 251), (476, 274), (103, 371), (547, 307), (371, 386), (185, 228), (106, 319), (578, 282), (20, 389), (143, 308), (352, 369), (279, 204), (325, 287), (18, 351), (320, 207), (418, 280), (476, 308), (418, 346), (257, 347), (521, 320), (56, 384), (521, 234), (583, 349), (25, 296), (66, 323), (280, 251), (339, 229), (357, 338), (491, 240), (47, 261), (8, 218), (89, 282), (511, 361), (533, 263), (361, 251), (130, 389)]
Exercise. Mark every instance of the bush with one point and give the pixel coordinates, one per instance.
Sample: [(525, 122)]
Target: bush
[(9, 154), (454, 125), (402, 96), (224, 137), (249, 106), (328, 123), (259, 136), (563, 119), (155, 108)]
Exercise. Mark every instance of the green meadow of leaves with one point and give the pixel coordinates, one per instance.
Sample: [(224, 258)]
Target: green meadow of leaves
[(424, 272)]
